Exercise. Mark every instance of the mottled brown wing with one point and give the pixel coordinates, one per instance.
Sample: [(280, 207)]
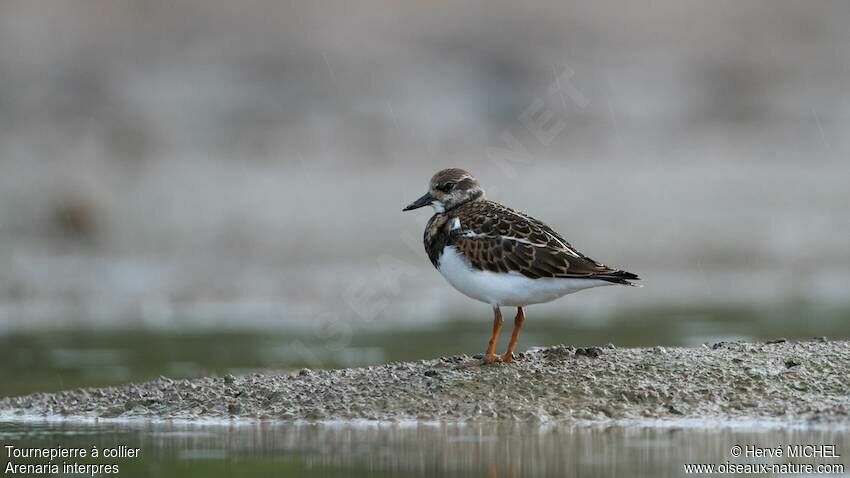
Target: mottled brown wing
[(498, 239)]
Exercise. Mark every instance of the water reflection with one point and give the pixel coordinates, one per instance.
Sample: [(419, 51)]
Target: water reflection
[(498, 449)]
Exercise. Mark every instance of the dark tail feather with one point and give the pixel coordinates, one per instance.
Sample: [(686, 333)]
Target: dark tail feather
[(619, 277)]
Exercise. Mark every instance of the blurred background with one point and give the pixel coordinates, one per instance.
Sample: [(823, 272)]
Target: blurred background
[(206, 186)]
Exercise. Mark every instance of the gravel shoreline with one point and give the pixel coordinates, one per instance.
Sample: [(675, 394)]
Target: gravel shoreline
[(807, 381)]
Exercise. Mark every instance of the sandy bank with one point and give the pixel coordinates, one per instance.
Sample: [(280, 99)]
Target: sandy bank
[(800, 381)]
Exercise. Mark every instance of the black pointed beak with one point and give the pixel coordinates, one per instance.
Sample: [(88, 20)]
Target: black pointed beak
[(425, 200)]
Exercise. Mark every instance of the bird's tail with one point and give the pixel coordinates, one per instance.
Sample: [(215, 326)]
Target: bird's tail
[(620, 277)]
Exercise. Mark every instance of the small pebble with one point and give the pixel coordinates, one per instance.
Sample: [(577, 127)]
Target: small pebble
[(592, 352)]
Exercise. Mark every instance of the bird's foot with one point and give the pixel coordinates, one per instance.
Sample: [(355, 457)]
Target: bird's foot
[(491, 358), (485, 360), (508, 357)]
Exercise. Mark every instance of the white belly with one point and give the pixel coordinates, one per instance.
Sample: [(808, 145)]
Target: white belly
[(512, 289)]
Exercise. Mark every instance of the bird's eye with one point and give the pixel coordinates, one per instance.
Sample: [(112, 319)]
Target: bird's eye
[(446, 187)]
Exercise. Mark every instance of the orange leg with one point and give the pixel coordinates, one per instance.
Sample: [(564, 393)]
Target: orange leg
[(518, 321), (491, 356)]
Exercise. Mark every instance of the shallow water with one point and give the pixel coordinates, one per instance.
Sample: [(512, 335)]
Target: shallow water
[(64, 360), (423, 449)]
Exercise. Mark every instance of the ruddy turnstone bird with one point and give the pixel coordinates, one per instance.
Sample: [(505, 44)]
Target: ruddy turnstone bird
[(500, 256)]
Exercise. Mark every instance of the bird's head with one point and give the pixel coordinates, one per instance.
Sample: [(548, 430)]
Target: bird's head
[(449, 188)]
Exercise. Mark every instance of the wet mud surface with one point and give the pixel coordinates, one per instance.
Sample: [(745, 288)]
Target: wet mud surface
[(808, 381)]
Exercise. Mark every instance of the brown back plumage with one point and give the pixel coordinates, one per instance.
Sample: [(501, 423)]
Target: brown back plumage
[(497, 238)]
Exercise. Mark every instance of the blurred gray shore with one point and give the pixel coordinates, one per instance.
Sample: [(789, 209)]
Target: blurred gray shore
[(801, 381), (194, 164)]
